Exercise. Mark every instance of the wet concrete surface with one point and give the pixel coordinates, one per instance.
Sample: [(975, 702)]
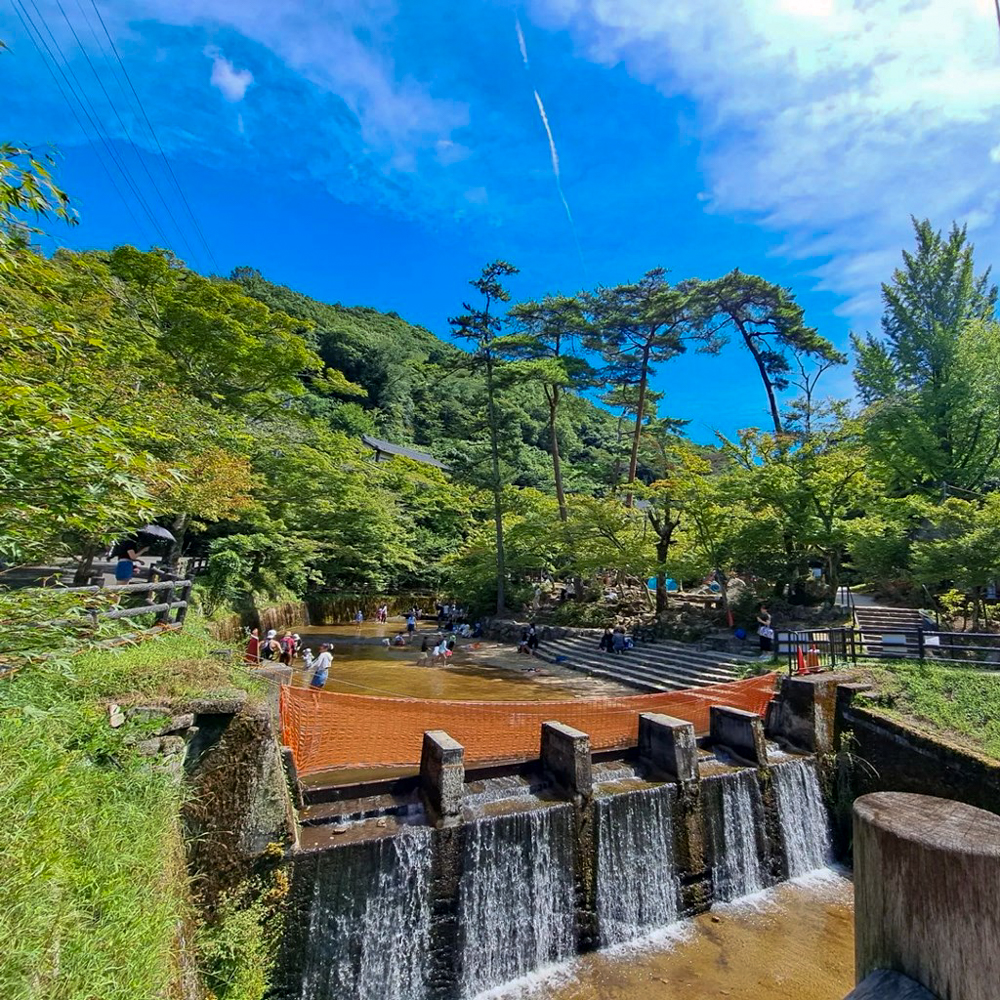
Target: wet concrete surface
[(478, 671), (793, 942)]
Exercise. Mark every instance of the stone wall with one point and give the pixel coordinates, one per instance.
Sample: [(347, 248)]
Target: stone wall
[(886, 755), (287, 615)]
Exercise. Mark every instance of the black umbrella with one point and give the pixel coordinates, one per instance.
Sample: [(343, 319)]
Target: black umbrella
[(155, 531)]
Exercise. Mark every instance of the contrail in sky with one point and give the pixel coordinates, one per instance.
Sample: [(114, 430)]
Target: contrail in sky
[(520, 40), (553, 152)]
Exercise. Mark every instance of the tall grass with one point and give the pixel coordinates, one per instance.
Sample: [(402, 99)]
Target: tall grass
[(93, 892), (948, 699)]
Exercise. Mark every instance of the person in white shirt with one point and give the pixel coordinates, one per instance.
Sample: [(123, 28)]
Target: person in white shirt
[(321, 666)]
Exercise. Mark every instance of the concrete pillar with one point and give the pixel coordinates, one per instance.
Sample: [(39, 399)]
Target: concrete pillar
[(565, 754), (804, 712), (442, 777), (739, 731), (926, 883), (566, 758), (667, 746)]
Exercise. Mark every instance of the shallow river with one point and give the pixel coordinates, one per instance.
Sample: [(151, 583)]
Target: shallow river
[(361, 665), (793, 942)]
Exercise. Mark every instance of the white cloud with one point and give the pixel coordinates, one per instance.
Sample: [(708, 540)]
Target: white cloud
[(226, 78), (831, 121), (344, 48)]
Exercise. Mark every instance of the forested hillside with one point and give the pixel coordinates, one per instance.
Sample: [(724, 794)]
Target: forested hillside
[(417, 391), (232, 410)]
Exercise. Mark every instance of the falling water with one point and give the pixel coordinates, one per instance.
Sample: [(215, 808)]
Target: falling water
[(735, 814), (805, 828), (637, 886), (516, 904), (369, 922)]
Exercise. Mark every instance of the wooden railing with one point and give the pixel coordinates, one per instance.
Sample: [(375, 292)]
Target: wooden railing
[(164, 597)]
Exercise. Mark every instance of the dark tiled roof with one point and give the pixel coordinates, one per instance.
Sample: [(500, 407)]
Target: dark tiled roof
[(388, 448)]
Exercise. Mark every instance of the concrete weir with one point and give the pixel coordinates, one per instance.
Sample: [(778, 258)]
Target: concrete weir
[(496, 872)]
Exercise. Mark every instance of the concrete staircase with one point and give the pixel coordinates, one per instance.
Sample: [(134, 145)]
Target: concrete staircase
[(875, 623), (661, 666)]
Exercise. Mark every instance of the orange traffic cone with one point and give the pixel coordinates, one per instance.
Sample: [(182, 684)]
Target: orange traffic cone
[(801, 661), (812, 659)]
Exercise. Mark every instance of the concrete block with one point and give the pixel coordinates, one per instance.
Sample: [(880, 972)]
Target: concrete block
[(804, 711), (926, 877), (442, 777), (566, 757), (668, 746), (740, 731)]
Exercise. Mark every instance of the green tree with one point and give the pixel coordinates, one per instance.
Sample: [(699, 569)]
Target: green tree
[(931, 383), (771, 326), (546, 332), (481, 327), (637, 326)]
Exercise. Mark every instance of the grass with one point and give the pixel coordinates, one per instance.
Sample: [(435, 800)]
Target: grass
[(963, 704), (93, 888)]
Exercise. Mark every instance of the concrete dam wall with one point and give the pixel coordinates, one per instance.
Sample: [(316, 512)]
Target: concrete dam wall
[(481, 881)]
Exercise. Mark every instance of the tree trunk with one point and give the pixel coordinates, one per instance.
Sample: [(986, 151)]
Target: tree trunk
[(554, 445), (772, 402), (178, 527), (640, 406), (497, 485), (662, 548), (85, 568)]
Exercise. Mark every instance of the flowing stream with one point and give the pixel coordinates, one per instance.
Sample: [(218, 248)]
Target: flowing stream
[(516, 902), (637, 886), (370, 921), (805, 828), (735, 821)]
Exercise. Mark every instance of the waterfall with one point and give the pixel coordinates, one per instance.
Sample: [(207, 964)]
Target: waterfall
[(735, 812), (369, 921), (805, 827), (637, 886), (516, 900)]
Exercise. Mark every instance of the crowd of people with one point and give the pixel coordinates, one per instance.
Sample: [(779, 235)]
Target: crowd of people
[(288, 647)]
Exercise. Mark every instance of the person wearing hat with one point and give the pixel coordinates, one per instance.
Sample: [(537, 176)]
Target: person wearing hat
[(271, 648), (321, 666), (287, 649)]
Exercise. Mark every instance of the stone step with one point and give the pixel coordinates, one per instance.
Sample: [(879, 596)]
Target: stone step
[(668, 661), (650, 667), (659, 654)]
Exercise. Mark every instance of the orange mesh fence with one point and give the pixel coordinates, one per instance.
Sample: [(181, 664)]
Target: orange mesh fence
[(328, 730)]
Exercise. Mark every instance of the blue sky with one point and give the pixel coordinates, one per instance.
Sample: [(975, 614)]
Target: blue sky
[(379, 153)]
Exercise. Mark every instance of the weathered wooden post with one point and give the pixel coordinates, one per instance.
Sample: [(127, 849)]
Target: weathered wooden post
[(926, 884)]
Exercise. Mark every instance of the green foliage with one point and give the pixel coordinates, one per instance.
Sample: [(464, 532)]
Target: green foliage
[(237, 948), (932, 382), (93, 886), (771, 326), (946, 699)]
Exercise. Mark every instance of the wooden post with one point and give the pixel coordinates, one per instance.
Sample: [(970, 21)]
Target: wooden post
[(185, 596)]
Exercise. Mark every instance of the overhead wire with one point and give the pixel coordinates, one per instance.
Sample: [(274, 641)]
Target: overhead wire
[(156, 140), (73, 84), (30, 29), (124, 128)]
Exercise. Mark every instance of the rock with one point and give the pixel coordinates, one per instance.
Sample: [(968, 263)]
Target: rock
[(116, 717), (382, 822), (172, 745), (176, 724), (716, 920), (340, 828), (149, 748)]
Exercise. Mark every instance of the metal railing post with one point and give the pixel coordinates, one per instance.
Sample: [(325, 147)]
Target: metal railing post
[(920, 644)]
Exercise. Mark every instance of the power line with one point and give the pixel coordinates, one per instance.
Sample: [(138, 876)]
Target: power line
[(30, 31), (156, 139), (124, 128), (90, 113)]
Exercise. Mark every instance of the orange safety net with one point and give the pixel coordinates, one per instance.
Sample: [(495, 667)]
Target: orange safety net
[(328, 730)]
